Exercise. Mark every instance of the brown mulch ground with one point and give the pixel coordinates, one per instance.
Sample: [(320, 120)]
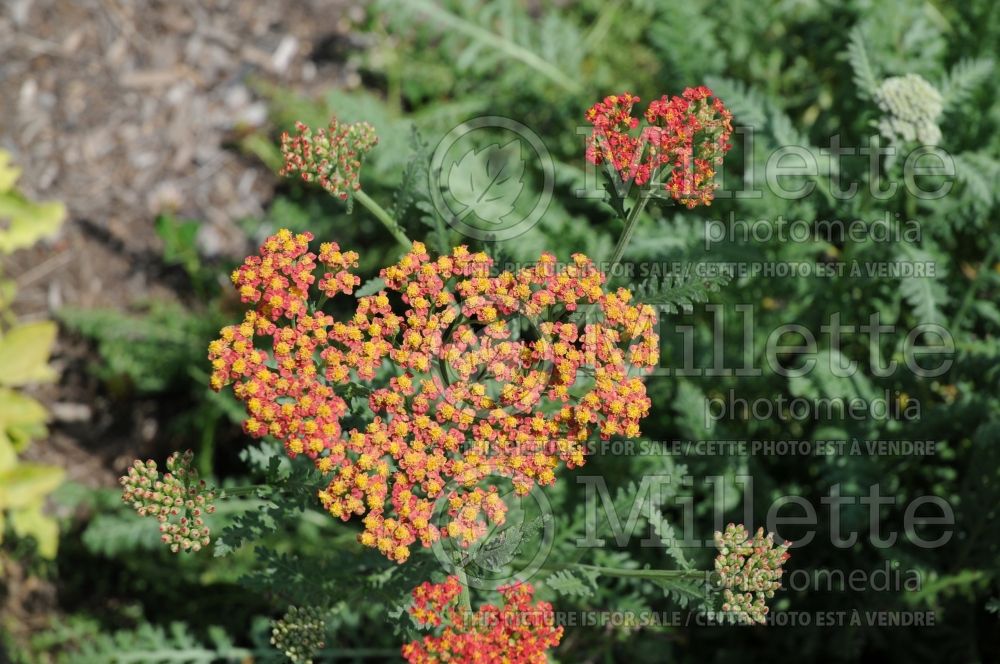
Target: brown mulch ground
[(124, 109)]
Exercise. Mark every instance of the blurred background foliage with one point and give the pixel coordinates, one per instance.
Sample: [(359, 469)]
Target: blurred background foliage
[(24, 356), (797, 72)]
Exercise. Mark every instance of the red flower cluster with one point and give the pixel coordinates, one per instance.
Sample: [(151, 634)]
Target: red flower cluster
[(332, 157), (689, 135), (483, 375), (518, 633)]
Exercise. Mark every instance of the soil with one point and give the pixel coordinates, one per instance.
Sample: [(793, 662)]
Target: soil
[(125, 109)]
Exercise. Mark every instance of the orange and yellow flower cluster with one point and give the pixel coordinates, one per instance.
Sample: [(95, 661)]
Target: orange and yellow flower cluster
[(519, 632), (476, 375)]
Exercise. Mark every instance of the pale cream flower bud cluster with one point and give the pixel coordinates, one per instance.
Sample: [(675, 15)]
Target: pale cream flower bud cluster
[(912, 107)]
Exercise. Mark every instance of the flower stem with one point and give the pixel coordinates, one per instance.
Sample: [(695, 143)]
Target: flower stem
[(379, 212), (464, 598), (630, 223), (240, 491), (599, 28), (633, 573)]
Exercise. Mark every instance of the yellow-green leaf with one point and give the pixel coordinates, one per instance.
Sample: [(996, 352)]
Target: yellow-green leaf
[(8, 289), (8, 173), (8, 456), (27, 483), (23, 222), (31, 521), (27, 221), (24, 354), (22, 418)]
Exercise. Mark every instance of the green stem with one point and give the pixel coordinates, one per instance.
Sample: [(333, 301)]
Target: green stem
[(379, 212), (241, 654), (206, 451), (632, 573), (963, 308), (599, 29), (465, 599), (630, 223), (240, 491), (357, 653)]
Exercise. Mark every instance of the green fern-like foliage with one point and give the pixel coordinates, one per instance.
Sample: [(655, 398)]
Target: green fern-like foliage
[(962, 80), (287, 495), (681, 291), (503, 31), (570, 583), (685, 36), (980, 173), (750, 107), (152, 644), (668, 538), (152, 351), (926, 295), (865, 78)]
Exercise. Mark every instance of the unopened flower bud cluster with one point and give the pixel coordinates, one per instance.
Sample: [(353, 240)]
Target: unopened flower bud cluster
[(331, 157), (912, 107), (299, 634), (749, 571), (177, 499)]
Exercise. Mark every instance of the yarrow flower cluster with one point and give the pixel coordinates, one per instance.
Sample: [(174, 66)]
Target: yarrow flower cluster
[(751, 568), (483, 375), (912, 107), (331, 157), (299, 634), (519, 632), (177, 499), (686, 135)]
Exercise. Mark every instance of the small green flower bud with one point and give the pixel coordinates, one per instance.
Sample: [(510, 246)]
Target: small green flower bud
[(299, 633), (751, 566), (178, 493)]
